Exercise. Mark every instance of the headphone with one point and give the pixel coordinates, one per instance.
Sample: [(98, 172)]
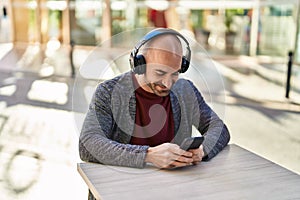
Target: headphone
[(138, 61)]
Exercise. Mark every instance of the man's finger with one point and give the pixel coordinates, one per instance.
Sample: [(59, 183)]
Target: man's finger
[(182, 152), (183, 159), (179, 164)]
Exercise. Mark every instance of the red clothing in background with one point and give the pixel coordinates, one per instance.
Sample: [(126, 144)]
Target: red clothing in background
[(157, 18)]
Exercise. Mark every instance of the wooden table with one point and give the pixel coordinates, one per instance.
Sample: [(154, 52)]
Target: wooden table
[(234, 173)]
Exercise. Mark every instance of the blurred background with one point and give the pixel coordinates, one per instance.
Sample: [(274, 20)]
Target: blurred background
[(51, 53)]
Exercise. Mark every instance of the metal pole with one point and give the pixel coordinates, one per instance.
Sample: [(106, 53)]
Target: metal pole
[(72, 43), (289, 73)]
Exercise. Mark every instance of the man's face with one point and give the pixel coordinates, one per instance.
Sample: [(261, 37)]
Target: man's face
[(162, 71)]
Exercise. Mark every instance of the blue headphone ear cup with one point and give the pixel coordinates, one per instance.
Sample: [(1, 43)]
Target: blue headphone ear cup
[(184, 65), (139, 64)]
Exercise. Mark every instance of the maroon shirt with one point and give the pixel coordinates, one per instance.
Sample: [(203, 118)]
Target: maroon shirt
[(154, 122)]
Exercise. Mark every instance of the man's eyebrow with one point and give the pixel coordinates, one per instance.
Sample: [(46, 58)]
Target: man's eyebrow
[(162, 71)]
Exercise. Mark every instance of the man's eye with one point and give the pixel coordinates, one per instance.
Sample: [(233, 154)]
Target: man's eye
[(160, 73), (175, 74)]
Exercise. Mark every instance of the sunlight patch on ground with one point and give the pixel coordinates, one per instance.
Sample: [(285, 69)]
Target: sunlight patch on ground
[(38, 154), (50, 92), (5, 48), (8, 90)]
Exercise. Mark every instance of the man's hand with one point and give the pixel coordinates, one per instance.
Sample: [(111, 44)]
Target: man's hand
[(198, 154), (170, 155)]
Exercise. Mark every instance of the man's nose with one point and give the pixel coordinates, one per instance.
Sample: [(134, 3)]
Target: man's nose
[(167, 82)]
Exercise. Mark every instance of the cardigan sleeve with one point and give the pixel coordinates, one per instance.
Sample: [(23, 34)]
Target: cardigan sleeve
[(210, 126), (97, 138)]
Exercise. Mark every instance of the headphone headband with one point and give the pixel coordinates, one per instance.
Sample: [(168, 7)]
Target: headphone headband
[(139, 61), (156, 32)]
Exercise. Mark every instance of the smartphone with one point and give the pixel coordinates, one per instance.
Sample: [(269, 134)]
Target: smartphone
[(191, 143)]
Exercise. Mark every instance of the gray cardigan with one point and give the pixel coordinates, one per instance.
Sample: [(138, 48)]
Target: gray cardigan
[(109, 123)]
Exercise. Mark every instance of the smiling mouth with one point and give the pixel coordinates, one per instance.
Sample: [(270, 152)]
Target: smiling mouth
[(162, 87), (164, 91)]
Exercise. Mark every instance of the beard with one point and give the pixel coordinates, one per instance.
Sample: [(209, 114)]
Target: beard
[(159, 89)]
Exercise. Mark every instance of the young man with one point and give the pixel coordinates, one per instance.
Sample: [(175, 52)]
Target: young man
[(143, 115)]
